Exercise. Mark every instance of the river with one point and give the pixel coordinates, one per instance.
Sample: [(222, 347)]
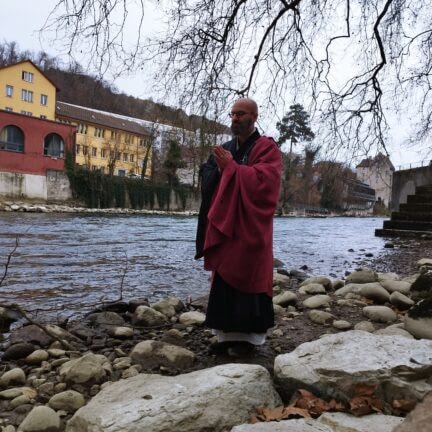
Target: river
[(65, 262)]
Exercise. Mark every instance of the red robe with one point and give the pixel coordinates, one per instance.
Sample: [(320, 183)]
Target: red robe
[(239, 234)]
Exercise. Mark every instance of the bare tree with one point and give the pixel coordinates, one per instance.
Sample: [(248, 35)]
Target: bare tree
[(352, 63)]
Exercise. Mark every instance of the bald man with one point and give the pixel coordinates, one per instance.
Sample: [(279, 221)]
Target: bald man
[(240, 188)]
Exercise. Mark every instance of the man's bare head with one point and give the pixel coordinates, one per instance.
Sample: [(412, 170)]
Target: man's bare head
[(244, 114)]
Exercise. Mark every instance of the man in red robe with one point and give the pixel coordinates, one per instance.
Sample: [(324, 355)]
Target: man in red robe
[(240, 190)]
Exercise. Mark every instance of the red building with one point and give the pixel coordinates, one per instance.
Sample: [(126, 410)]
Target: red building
[(31, 145)]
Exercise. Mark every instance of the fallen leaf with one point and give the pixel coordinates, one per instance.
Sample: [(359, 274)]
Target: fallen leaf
[(403, 406)]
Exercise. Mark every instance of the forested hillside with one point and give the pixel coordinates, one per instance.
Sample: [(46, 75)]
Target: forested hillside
[(79, 88)]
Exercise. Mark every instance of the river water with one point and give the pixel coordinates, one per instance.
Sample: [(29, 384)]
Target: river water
[(66, 262)]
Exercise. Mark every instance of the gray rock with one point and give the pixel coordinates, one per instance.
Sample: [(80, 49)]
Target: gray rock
[(375, 292), (169, 306), (213, 399), (41, 419), (388, 277), (192, 318), (379, 314), (18, 391), (18, 351), (342, 325), (338, 283), (285, 298), (148, 317), (281, 280), (312, 288), (69, 401), (335, 364), (317, 301), (424, 262), (105, 319), (350, 288), (89, 368), (396, 286), (150, 354), (394, 330), (120, 332), (20, 400), (37, 357), (342, 422), (31, 334), (366, 326), (15, 376), (400, 300), (362, 276), (419, 419), (418, 320), (323, 280), (422, 286), (296, 425), (320, 317)]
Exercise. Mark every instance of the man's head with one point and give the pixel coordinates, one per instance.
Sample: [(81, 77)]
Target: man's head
[(244, 114)]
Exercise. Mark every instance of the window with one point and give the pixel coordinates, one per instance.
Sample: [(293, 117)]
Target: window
[(128, 139), (27, 76), (125, 157), (44, 99), (85, 150), (131, 157), (98, 132), (103, 153), (43, 117), (27, 113), (112, 155), (26, 95), (12, 139), (54, 145), (121, 173), (117, 155), (77, 149), (94, 167), (8, 109), (82, 128), (9, 90), (94, 151), (141, 142)]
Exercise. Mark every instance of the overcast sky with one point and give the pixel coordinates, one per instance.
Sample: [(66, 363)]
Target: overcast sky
[(23, 18)]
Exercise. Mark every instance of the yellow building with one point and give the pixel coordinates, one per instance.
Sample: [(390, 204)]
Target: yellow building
[(111, 143), (26, 90)]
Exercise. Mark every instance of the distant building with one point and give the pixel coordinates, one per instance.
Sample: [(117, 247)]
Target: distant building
[(110, 143), (377, 172)]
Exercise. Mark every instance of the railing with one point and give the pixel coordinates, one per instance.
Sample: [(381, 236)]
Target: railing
[(420, 164)]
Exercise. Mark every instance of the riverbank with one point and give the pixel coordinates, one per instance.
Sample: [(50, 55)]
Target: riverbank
[(122, 340)]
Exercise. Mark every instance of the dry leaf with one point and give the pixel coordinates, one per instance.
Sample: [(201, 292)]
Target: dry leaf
[(292, 412), (402, 406), (364, 389)]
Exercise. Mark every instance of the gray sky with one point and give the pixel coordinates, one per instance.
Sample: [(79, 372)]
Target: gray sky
[(23, 18)]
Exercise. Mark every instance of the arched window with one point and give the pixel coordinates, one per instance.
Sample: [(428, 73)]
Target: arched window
[(54, 145), (12, 139)]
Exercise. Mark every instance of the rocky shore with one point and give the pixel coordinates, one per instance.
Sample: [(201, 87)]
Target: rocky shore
[(361, 346)]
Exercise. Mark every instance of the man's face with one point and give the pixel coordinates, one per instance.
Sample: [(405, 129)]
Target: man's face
[(242, 118)]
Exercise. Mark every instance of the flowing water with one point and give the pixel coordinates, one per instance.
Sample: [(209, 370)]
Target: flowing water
[(66, 262)]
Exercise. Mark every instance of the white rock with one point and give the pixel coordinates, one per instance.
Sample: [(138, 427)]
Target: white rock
[(285, 298), (120, 332), (312, 288), (146, 316), (396, 286), (419, 327), (342, 422), (342, 325), (281, 280), (168, 306), (40, 419), (400, 300), (320, 317), (375, 292), (388, 276), (213, 399), (317, 301), (424, 262), (15, 376), (296, 425), (379, 313), (69, 401), (335, 363), (362, 276), (90, 367), (192, 317), (366, 326), (323, 280)]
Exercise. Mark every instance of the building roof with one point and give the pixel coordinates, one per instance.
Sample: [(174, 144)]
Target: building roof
[(379, 159), (101, 118), (36, 67)]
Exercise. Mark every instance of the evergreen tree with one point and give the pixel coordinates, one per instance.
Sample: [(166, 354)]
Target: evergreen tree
[(173, 162)]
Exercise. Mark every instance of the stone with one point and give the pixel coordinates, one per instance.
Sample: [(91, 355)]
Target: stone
[(419, 419), (424, 262), (422, 286), (366, 326), (18, 351), (323, 280), (41, 419), (400, 300), (351, 288), (15, 376), (88, 368), (312, 288), (192, 318), (56, 352), (394, 330), (388, 277), (342, 325), (105, 319), (338, 283), (320, 317), (69, 401), (120, 332), (362, 276), (37, 357), (396, 286), (18, 391), (169, 306), (31, 334), (418, 320), (214, 399), (344, 422), (150, 354), (148, 317), (7, 317), (296, 425), (379, 314), (281, 280), (285, 298), (334, 364), (374, 292), (317, 301), (19, 400)]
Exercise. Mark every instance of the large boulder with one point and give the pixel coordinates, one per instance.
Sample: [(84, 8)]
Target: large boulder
[(213, 399), (296, 425), (333, 365)]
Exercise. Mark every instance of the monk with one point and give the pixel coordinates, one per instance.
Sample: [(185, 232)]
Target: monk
[(240, 188)]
